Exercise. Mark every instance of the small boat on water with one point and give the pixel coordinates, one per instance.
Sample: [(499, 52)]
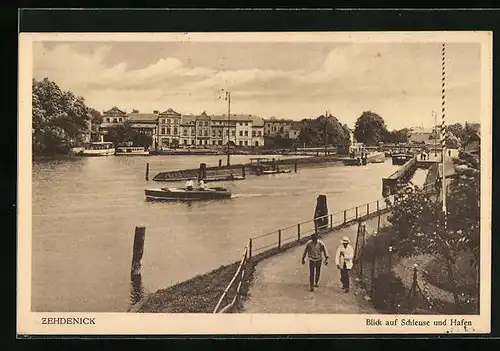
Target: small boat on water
[(353, 162), (181, 194), (131, 151), (274, 171), (401, 159)]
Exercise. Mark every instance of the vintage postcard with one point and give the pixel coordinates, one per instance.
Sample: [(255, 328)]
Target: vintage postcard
[(254, 183)]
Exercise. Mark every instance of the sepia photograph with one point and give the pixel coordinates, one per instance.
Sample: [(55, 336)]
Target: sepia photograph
[(254, 183)]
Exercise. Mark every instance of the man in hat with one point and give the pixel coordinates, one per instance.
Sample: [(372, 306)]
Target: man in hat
[(314, 249), (343, 260)]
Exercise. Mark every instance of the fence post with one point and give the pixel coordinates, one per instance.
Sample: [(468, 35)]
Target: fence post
[(367, 209), (298, 232), (345, 216), (295, 166), (250, 248), (361, 254), (374, 262), (331, 221), (147, 171), (356, 212), (378, 207), (279, 238), (315, 227)]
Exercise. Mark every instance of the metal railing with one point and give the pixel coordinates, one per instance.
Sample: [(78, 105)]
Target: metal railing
[(237, 279), (295, 233)]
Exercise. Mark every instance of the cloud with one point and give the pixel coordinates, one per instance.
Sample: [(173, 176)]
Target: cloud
[(393, 79)]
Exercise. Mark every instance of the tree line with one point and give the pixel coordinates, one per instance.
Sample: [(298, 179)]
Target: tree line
[(61, 120)]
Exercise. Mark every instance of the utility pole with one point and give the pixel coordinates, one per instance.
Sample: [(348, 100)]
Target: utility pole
[(326, 125), (228, 98), (435, 133), (443, 125)]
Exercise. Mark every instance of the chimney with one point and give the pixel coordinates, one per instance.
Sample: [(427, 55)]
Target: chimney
[(155, 112)]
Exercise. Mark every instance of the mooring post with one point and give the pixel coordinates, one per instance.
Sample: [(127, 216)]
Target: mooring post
[(367, 209), (147, 171), (345, 216), (243, 174), (138, 250), (250, 248), (331, 221), (279, 238), (356, 212), (295, 167), (298, 232), (378, 207)]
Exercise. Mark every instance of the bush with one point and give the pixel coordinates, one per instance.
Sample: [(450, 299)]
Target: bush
[(389, 293)]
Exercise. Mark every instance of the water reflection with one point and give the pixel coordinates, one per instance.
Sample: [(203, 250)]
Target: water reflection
[(137, 290)]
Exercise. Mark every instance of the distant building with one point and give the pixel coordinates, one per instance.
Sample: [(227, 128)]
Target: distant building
[(274, 126), (473, 144), (421, 135), (294, 130), (169, 128), (146, 123)]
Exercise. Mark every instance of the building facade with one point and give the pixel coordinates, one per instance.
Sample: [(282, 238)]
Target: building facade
[(171, 129), (274, 126)]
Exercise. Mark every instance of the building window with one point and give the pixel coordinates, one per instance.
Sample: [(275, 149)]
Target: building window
[(176, 121), (200, 133), (185, 142), (256, 143), (115, 120), (168, 120), (206, 142), (246, 142), (213, 142), (206, 132), (246, 132), (175, 131), (246, 123), (206, 123), (162, 130), (193, 132), (168, 130), (220, 142), (241, 133), (185, 132), (192, 142), (259, 133), (220, 133), (253, 133), (233, 133), (213, 132), (241, 143)]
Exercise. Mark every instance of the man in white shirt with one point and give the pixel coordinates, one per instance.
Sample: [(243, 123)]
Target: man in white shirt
[(201, 184), (189, 184), (314, 249), (343, 260)]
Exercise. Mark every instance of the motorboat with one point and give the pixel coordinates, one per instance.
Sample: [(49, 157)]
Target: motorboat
[(353, 162), (182, 194), (275, 171), (401, 159)]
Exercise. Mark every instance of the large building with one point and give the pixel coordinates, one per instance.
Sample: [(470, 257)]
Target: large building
[(171, 129), (274, 126)]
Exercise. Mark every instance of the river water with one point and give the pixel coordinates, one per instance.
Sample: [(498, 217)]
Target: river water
[(85, 211)]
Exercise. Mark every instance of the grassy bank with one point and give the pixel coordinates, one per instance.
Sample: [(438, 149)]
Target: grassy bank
[(197, 295)]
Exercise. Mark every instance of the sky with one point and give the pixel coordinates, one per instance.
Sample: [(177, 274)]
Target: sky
[(399, 81)]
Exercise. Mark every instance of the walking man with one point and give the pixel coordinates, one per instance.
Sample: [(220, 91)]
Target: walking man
[(314, 249), (343, 260)]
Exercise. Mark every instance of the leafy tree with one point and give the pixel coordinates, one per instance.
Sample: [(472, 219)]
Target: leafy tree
[(456, 130), (397, 136), (59, 118), (315, 132), (370, 128), (417, 218)]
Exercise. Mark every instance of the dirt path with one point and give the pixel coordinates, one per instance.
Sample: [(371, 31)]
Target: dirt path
[(281, 283)]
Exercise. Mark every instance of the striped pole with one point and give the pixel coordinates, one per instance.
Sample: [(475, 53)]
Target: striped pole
[(443, 125)]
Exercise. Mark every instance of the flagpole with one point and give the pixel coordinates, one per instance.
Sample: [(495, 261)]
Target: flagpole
[(443, 126), (228, 97)]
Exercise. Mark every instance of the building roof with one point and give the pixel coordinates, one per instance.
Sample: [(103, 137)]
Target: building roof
[(256, 120), (142, 117), (143, 125), (185, 119), (114, 110), (170, 111)]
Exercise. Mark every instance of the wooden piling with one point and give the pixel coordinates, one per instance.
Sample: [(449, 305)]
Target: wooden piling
[(345, 216), (250, 248), (138, 250), (295, 166), (331, 221), (243, 173), (279, 239), (356, 212), (367, 209), (147, 171), (298, 232)]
